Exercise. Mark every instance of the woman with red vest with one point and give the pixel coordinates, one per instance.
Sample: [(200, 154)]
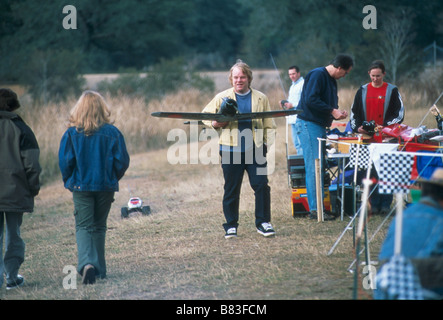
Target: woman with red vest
[(380, 102)]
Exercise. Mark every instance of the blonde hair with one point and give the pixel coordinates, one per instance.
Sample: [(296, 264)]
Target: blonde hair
[(245, 68), (90, 113)]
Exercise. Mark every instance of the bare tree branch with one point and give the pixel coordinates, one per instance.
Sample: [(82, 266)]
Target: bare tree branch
[(396, 41)]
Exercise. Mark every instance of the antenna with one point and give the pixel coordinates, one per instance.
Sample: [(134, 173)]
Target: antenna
[(279, 78)]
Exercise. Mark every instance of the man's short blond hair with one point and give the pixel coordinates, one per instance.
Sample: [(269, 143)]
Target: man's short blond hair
[(245, 68)]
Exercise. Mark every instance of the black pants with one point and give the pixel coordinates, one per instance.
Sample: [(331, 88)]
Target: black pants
[(234, 164), (379, 201)]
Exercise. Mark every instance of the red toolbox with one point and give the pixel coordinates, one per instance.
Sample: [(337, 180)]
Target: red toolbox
[(300, 204)]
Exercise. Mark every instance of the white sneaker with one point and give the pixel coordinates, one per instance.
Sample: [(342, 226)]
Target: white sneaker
[(18, 283), (266, 229), (231, 233)]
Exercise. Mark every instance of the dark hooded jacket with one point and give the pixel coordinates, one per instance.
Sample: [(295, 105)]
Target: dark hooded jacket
[(19, 164)]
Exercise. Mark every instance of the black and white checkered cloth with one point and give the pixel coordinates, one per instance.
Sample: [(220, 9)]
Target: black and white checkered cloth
[(395, 172), (398, 280), (363, 155)]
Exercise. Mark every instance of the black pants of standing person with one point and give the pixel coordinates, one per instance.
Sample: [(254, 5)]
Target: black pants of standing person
[(234, 164)]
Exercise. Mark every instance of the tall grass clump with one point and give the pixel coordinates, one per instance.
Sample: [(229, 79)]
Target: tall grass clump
[(48, 123), (163, 78)]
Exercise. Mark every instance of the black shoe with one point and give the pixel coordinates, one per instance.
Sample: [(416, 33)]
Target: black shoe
[(17, 283), (88, 274), (266, 229), (313, 215), (326, 217), (231, 233)]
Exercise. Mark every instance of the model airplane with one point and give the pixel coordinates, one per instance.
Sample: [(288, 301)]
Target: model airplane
[(228, 112)]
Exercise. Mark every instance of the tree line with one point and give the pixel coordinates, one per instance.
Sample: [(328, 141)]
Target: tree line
[(114, 35)]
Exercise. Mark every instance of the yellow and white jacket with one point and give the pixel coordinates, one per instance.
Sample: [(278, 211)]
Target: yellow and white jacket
[(263, 129)]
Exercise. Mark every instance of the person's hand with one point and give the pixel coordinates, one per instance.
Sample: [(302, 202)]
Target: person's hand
[(216, 124), (378, 128), (361, 130), (339, 114), (285, 104)]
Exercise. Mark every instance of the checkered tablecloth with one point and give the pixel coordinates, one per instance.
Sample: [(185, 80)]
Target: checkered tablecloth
[(363, 155), (395, 172), (398, 280)]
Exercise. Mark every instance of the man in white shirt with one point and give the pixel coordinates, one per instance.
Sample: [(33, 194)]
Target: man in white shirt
[(292, 102)]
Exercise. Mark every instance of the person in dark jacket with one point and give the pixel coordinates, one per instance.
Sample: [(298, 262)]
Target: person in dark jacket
[(92, 160), (19, 184), (319, 103)]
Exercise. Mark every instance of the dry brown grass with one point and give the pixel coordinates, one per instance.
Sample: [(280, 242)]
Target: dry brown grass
[(179, 252)]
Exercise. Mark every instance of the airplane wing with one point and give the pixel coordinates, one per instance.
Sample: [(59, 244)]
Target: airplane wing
[(222, 118)]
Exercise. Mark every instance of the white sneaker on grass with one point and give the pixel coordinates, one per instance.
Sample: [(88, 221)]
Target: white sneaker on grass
[(17, 283), (266, 229), (231, 233)]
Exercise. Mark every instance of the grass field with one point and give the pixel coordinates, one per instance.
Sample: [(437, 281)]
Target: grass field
[(179, 251)]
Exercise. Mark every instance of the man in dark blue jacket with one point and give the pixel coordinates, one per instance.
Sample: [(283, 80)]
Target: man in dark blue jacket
[(319, 103)]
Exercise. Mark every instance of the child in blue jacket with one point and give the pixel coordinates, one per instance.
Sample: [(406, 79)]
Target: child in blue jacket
[(92, 159)]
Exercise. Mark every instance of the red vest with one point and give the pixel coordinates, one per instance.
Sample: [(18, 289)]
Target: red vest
[(375, 101)]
